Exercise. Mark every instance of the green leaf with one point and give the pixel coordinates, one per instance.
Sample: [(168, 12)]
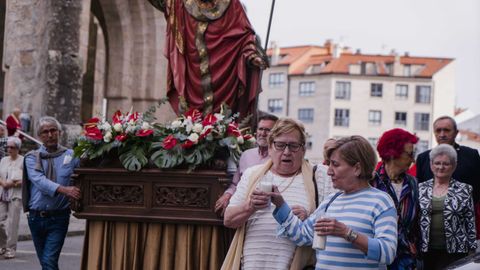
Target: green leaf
[(134, 159), (166, 159)]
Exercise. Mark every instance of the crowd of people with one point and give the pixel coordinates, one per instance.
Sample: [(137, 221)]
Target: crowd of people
[(374, 215)]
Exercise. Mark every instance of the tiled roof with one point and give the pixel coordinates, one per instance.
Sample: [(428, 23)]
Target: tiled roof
[(301, 59), (471, 136)]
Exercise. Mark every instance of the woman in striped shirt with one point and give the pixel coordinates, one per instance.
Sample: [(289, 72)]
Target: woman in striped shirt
[(360, 222)]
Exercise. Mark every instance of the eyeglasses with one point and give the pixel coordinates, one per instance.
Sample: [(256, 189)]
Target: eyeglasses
[(293, 147), (47, 131), (438, 164), (11, 147), (410, 154), (261, 129)]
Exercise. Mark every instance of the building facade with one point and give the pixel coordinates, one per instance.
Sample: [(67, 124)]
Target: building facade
[(337, 93)]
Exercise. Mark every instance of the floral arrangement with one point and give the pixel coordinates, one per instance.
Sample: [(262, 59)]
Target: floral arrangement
[(131, 134), (192, 139)]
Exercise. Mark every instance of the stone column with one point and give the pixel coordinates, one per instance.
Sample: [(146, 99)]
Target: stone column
[(42, 63)]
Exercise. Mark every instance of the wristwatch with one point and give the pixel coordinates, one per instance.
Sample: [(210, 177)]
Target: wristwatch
[(351, 236)]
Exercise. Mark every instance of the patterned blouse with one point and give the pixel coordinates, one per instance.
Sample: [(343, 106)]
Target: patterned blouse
[(407, 210)]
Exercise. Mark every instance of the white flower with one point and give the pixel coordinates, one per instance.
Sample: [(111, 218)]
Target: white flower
[(145, 125), (176, 124), (240, 139), (197, 128), (108, 137), (193, 137), (130, 129), (106, 126), (219, 116), (118, 127), (188, 124)]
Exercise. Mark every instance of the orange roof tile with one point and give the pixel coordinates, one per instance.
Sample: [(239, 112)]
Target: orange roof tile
[(301, 58)]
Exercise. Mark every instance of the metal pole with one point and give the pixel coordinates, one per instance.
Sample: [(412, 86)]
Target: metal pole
[(269, 25)]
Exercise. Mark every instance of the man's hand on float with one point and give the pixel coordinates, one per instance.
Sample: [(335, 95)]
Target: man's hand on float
[(71, 192), (222, 203)]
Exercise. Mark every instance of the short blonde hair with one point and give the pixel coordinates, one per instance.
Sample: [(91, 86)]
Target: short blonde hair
[(285, 126), (356, 149)]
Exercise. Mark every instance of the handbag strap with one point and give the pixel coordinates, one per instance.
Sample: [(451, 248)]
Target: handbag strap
[(332, 199), (315, 185)]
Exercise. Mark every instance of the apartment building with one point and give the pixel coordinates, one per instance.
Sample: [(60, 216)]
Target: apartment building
[(335, 92)]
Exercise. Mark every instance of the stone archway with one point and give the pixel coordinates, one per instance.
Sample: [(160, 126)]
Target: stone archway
[(129, 66)]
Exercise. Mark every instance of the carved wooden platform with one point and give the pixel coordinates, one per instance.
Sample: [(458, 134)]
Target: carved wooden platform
[(151, 195)]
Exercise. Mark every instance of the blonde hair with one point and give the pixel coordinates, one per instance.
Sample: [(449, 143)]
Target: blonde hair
[(285, 126)]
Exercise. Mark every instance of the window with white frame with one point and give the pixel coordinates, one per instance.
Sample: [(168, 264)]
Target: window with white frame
[(401, 91), (401, 118), (423, 94), (306, 89), (305, 115), (342, 117), (376, 90), (407, 70), (342, 90), (374, 117), (422, 121), (275, 105), (276, 79)]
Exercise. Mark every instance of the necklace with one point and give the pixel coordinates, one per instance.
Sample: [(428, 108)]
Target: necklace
[(289, 184), (439, 192)]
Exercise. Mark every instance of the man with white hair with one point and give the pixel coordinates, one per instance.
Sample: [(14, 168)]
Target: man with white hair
[(47, 190)]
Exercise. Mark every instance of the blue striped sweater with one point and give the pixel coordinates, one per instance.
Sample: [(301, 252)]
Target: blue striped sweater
[(368, 211)]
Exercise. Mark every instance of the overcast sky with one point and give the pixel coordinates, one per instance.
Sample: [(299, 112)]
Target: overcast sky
[(433, 28)]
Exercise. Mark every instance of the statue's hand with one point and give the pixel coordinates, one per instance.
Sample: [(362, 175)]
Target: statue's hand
[(259, 62)]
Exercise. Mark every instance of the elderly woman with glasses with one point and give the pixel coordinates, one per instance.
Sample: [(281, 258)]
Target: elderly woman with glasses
[(11, 172), (447, 218), (396, 148), (256, 245), (359, 222)]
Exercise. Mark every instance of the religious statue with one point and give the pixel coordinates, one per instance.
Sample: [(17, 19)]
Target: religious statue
[(213, 54)]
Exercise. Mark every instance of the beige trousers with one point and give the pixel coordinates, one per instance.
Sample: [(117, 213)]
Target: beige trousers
[(9, 221)]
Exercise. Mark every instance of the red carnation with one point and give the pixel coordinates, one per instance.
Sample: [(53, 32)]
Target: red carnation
[(169, 142), (93, 133), (247, 137), (116, 117), (187, 144), (144, 132), (205, 132), (209, 120), (194, 114), (92, 123), (232, 129), (133, 116), (121, 137)]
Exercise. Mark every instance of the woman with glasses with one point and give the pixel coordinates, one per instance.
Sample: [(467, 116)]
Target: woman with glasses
[(11, 172), (396, 148), (359, 222), (447, 218), (256, 245)]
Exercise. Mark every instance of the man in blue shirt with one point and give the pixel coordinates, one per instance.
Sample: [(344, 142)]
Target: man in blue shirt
[(47, 190)]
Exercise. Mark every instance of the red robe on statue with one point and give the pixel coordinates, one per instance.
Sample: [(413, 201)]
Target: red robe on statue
[(209, 45)]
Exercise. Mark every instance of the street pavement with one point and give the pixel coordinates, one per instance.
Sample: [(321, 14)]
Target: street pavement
[(26, 258)]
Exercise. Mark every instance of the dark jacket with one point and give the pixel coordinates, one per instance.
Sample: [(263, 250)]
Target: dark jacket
[(458, 216)]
